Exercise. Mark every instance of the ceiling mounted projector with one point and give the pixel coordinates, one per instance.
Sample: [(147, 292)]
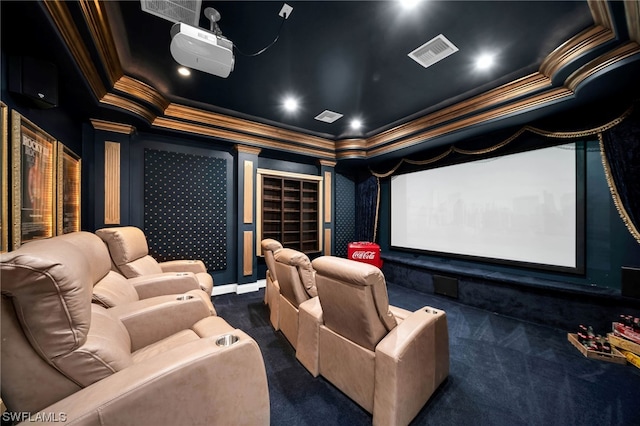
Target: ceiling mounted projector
[(199, 49)]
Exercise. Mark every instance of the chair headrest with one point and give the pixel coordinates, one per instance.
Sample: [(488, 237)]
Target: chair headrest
[(50, 284), (301, 262), (126, 243), (269, 244)]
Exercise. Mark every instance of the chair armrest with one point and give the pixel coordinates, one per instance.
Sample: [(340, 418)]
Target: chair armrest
[(308, 345), (151, 320), (411, 362), (167, 283), (195, 266), (196, 383)]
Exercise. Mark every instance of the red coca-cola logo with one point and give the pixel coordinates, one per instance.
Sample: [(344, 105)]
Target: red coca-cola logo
[(363, 255)]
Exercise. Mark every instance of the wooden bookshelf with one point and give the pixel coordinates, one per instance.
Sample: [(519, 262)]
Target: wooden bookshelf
[(290, 212)]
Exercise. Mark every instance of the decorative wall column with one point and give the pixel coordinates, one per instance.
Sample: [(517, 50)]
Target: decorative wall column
[(327, 171), (246, 167), (109, 178)]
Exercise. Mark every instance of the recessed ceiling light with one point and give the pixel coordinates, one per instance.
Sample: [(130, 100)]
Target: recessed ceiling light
[(290, 104), (356, 123), (409, 4), (184, 71), (484, 61)]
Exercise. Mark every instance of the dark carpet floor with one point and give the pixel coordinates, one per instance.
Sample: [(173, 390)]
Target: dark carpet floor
[(502, 372)]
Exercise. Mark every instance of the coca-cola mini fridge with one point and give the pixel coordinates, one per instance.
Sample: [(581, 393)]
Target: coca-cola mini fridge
[(364, 251)]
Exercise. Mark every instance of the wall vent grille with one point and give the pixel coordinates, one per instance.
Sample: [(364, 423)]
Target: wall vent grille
[(187, 11)]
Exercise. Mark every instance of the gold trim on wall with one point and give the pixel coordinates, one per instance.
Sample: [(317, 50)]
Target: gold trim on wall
[(108, 126), (248, 192), (128, 105), (4, 177), (327, 197), (327, 242), (142, 91), (112, 183), (247, 262), (632, 9)]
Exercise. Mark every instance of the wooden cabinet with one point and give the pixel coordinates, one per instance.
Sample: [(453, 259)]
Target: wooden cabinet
[(290, 212)]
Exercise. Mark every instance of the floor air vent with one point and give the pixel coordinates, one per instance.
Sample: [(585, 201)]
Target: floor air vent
[(445, 286), (187, 11), (433, 51)]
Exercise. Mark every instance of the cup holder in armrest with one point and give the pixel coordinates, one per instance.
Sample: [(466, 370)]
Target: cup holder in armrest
[(182, 274), (431, 311), (227, 340), (184, 297)]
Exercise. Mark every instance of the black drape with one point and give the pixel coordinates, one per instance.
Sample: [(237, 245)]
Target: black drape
[(367, 196), (621, 148)]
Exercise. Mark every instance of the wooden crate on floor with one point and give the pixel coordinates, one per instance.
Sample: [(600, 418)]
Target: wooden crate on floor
[(622, 343), (615, 356)]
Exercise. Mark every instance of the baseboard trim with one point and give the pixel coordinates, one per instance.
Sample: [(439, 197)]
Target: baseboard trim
[(238, 288)]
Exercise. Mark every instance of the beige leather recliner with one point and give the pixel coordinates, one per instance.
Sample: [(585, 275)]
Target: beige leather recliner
[(61, 353), (387, 359), (112, 289), (296, 279), (272, 289), (130, 256)]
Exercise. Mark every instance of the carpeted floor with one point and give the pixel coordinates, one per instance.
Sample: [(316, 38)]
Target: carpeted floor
[(502, 372)]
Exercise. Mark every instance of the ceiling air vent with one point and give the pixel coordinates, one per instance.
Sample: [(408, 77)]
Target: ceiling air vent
[(433, 51), (328, 116), (187, 11)]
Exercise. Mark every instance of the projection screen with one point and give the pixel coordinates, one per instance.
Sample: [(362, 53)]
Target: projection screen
[(518, 208)]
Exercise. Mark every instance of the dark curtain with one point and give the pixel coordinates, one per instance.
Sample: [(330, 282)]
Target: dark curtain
[(366, 209), (621, 145)]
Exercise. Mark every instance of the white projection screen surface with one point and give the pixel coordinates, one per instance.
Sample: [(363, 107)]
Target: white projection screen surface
[(517, 208)]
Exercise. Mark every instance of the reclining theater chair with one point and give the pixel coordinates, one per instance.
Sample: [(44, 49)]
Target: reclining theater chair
[(272, 289), (63, 354), (297, 283), (130, 255), (387, 359), (112, 289)]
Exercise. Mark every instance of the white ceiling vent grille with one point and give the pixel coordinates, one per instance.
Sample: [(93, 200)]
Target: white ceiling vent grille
[(433, 51), (328, 116), (187, 11)]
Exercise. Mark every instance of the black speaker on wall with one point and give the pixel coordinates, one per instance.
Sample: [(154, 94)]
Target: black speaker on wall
[(630, 282), (34, 80)]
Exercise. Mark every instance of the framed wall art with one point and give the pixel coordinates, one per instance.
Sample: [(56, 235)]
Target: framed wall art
[(68, 186), (4, 177), (33, 155)]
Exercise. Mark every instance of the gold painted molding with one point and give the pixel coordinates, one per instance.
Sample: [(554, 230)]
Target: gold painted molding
[(247, 258), (128, 105), (67, 28), (327, 242), (245, 126), (622, 52), (632, 10), (248, 192), (600, 13), (142, 91), (112, 127), (328, 186), (248, 149), (233, 136), (96, 18), (112, 183), (513, 108), (587, 40), (327, 163)]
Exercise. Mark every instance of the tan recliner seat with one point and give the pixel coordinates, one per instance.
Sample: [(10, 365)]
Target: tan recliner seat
[(387, 359), (61, 353), (112, 289), (272, 289), (296, 279), (130, 256)]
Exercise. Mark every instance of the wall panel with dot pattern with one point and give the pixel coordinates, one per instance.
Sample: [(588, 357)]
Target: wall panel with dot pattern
[(185, 207), (345, 214)]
